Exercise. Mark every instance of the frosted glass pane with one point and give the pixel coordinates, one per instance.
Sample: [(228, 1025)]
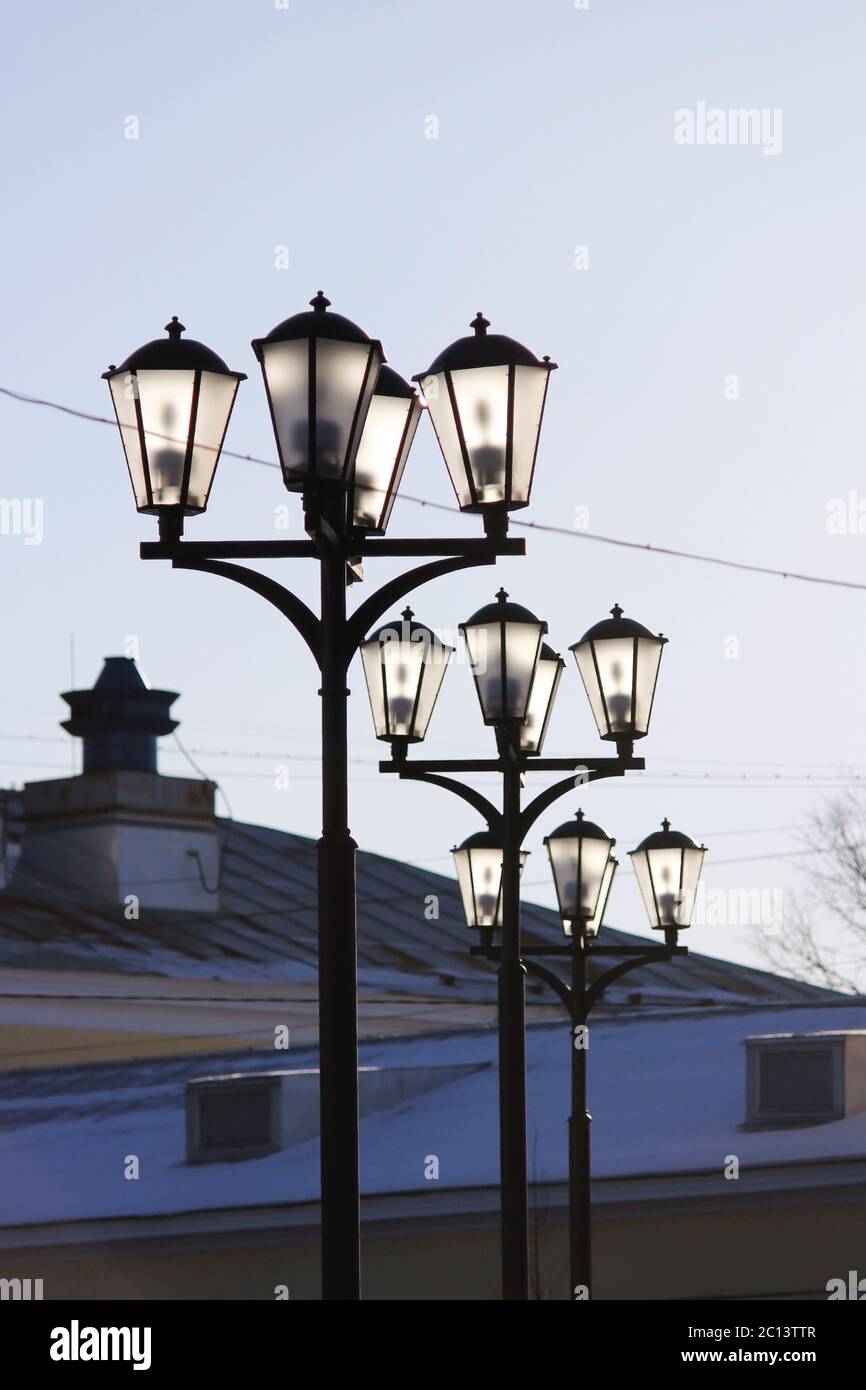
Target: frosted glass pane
[(166, 401), (578, 869), (649, 655), (530, 384), (439, 404), (285, 367), (481, 886), (340, 374), (482, 403), (668, 880), (593, 924), (377, 455), (215, 400), (586, 666), (479, 876), (503, 690), (541, 698), (123, 390), (403, 677)]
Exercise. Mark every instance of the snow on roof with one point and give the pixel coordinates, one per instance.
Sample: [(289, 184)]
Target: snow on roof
[(667, 1095), (266, 930)]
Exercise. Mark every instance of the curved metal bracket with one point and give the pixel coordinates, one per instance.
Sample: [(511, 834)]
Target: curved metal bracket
[(597, 988), (559, 987), (374, 607), (491, 814), (302, 618), (530, 813)]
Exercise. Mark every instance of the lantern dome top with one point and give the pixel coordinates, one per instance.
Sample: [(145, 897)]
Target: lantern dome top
[(315, 322), (391, 383), (548, 654), (666, 839), (579, 829), (406, 627), (174, 353), (482, 839), (503, 611), (618, 626), (483, 349)]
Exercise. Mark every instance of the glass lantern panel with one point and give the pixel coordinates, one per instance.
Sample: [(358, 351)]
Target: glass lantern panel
[(614, 657), (371, 661), (693, 860), (649, 655), (668, 899), (593, 924), (541, 697), (215, 400), (378, 452), (578, 869), (165, 398), (342, 378), (479, 874), (503, 687), (481, 394), (530, 385), (123, 393), (435, 666), (403, 677), (439, 404), (286, 371)]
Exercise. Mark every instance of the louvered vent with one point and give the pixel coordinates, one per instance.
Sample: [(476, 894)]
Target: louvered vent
[(231, 1118), (240, 1120), (804, 1078), (794, 1079), (249, 1115)]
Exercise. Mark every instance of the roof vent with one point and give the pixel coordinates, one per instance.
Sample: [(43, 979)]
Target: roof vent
[(249, 1115), (804, 1078)]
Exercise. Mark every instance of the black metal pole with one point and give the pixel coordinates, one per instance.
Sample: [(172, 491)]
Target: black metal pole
[(512, 1045), (579, 1175), (338, 1013)]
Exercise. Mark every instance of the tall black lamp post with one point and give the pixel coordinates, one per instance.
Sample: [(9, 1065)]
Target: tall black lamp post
[(516, 677), (343, 423), (668, 867)]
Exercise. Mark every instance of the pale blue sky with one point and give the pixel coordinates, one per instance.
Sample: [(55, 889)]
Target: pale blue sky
[(262, 127)]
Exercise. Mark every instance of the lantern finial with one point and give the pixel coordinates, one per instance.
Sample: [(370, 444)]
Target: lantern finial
[(666, 825), (502, 596), (480, 324), (175, 328), (408, 614), (616, 611), (320, 303)]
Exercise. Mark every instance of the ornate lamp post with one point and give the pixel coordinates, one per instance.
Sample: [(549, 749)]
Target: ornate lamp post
[(516, 677), (343, 424)]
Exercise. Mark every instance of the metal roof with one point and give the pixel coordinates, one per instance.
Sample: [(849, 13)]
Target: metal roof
[(266, 924)]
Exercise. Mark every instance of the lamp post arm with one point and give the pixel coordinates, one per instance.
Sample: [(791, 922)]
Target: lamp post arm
[(579, 778), (598, 987), (373, 608), (559, 987), (486, 808), (532, 967), (302, 618)]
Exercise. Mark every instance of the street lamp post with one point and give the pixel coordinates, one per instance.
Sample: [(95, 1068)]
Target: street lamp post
[(516, 677), (668, 866), (343, 424)]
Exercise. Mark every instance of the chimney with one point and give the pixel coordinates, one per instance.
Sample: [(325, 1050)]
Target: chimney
[(120, 832)]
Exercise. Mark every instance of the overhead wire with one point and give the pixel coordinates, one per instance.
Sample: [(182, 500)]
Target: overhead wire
[(547, 528)]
